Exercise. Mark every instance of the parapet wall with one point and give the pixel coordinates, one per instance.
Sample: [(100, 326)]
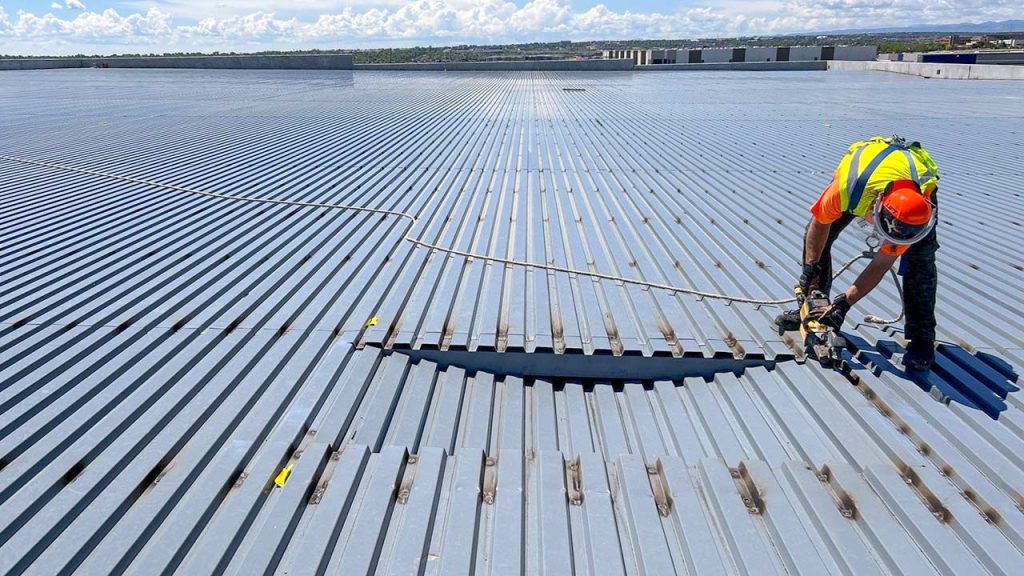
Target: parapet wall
[(533, 65), (344, 62), (40, 63), (934, 70), (250, 62), (751, 66)]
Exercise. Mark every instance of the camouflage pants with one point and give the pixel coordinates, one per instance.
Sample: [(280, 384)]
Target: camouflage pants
[(920, 279)]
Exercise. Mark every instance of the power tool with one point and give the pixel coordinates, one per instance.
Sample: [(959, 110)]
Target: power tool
[(820, 342)]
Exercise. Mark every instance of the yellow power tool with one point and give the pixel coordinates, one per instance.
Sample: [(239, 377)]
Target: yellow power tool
[(820, 342)]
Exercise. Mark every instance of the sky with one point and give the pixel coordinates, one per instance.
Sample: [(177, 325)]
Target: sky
[(58, 27)]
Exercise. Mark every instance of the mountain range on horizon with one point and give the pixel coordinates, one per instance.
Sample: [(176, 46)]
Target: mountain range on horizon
[(969, 27)]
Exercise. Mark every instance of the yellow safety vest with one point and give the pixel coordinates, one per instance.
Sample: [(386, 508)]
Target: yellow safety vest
[(869, 166)]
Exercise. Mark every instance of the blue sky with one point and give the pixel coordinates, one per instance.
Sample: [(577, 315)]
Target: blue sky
[(107, 27)]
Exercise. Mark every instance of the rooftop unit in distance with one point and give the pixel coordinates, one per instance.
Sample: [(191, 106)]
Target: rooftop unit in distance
[(655, 56)]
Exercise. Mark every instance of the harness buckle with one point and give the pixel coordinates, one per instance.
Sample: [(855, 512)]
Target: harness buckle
[(873, 242)]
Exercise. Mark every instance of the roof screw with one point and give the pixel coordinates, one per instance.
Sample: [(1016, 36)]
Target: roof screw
[(652, 469), (491, 461), (412, 459)]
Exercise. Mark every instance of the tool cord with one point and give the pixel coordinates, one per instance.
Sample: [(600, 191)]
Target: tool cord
[(407, 237)]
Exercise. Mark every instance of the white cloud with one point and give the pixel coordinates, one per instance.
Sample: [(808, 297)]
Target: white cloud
[(75, 5), (541, 15), (6, 28), (484, 21), (201, 9), (56, 6), (96, 26), (409, 22)]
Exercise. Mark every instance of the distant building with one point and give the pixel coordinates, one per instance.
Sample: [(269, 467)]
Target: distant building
[(1006, 57), (951, 41), (654, 56), (638, 56)]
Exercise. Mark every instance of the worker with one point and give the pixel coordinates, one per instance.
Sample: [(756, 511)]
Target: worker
[(893, 186)]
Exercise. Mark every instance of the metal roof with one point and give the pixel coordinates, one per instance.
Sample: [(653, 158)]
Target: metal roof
[(164, 356), (398, 466), (698, 185)]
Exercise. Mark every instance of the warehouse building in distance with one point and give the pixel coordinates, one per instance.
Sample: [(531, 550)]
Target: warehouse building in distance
[(997, 57), (643, 57)]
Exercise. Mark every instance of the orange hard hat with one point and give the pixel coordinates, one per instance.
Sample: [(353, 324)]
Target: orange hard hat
[(903, 215)]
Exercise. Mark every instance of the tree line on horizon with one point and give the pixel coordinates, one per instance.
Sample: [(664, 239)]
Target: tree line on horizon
[(902, 42)]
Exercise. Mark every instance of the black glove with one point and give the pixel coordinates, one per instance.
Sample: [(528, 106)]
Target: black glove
[(835, 314), (809, 274)]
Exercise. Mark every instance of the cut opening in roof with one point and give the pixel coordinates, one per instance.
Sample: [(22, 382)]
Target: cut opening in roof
[(585, 367)]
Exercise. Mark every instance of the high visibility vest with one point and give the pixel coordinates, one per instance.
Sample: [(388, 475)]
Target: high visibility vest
[(869, 167)]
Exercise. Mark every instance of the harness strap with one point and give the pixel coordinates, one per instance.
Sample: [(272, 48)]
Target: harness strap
[(862, 180)]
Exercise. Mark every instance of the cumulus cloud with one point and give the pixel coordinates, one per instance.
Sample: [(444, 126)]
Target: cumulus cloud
[(456, 21), (56, 6), (6, 28), (96, 26), (494, 21)]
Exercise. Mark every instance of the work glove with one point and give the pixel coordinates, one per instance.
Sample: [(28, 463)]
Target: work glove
[(809, 274), (834, 315)]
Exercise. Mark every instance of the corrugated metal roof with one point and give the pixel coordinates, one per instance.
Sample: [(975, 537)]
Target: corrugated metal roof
[(402, 467), (165, 356), (697, 185)]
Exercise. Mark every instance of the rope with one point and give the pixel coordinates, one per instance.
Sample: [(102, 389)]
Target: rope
[(872, 319), (407, 237)]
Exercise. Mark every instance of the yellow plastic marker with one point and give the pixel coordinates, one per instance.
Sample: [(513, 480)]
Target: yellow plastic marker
[(282, 477), (372, 321)]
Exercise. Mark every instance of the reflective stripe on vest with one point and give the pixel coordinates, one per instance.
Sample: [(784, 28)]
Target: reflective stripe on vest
[(920, 179), (862, 180), (852, 171), (913, 167)]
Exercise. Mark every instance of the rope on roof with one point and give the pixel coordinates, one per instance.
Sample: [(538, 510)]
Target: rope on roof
[(407, 237)]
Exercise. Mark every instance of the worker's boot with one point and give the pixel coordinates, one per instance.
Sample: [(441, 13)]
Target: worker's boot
[(920, 356), (788, 320)]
